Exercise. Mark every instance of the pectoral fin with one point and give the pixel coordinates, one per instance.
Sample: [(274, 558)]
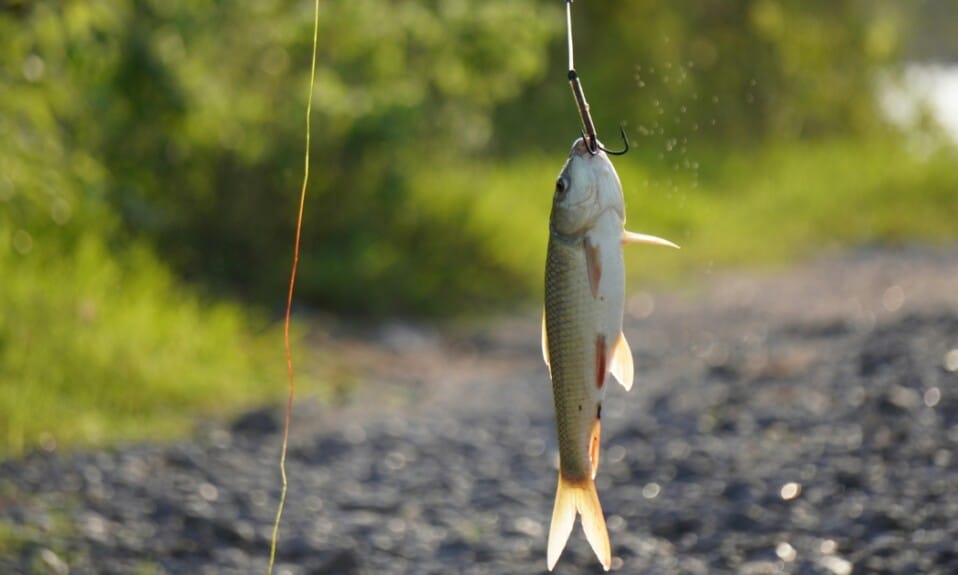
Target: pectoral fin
[(593, 261), (634, 238), (622, 367)]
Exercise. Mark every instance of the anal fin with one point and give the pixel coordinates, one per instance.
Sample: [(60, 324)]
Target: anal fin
[(595, 440), (622, 367)]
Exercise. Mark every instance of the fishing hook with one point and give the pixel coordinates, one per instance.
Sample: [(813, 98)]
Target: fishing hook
[(588, 127), (625, 140)]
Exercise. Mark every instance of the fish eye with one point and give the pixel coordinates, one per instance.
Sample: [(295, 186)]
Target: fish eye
[(561, 185)]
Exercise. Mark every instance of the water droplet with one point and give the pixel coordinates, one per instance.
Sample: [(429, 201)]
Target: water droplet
[(932, 396)]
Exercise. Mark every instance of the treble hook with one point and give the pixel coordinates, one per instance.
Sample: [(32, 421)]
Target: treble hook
[(588, 127)]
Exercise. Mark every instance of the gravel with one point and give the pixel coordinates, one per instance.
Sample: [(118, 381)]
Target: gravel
[(804, 422)]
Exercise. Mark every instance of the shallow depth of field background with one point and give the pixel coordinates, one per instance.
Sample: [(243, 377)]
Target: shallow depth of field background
[(151, 157)]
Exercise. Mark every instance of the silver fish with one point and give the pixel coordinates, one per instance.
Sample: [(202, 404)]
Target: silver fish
[(582, 340)]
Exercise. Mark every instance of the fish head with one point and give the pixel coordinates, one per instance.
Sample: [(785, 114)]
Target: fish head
[(587, 187)]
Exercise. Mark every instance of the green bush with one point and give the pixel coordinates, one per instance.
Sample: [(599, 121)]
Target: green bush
[(768, 207), (96, 348), (98, 341), (152, 149), (192, 114)]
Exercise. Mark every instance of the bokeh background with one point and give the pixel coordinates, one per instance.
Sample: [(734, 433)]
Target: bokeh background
[(151, 153)]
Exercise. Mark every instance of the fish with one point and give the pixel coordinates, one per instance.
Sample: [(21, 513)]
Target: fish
[(582, 339)]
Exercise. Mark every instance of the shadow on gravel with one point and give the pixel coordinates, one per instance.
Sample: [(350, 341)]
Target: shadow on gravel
[(804, 423)]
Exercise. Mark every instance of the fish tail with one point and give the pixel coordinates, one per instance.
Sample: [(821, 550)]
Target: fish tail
[(572, 498)]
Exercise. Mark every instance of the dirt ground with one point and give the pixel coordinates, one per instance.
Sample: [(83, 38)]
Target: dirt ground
[(798, 421)]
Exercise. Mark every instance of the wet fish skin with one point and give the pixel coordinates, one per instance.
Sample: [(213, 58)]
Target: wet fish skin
[(582, 333)]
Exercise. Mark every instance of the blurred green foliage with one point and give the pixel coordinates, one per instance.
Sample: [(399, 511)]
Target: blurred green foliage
[(99, 348), (786, 201), (189, 115), (152, 150), (734, 72), (193, 113)]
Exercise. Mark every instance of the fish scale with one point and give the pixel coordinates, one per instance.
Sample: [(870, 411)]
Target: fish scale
[(568, 309)]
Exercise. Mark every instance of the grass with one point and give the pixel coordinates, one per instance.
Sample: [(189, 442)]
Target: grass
[(98, 348), (755, 208), (101, 345)]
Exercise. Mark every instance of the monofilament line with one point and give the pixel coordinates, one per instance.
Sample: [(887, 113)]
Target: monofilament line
[(568, 27), (289, 299)]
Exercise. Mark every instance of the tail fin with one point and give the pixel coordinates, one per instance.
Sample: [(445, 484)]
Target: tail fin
[(581, 498)]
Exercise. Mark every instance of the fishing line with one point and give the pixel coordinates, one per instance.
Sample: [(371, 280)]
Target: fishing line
[(588, 127), (289, 300), (568, 27)]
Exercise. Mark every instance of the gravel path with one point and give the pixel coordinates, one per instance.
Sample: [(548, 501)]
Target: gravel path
[(801, 422)]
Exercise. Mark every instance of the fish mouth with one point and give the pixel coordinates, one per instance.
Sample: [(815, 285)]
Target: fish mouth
[(580, 148)]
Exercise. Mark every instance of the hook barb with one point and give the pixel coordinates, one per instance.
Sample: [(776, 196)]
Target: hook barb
[(625, 140)]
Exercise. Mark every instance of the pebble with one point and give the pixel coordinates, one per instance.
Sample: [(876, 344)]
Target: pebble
[(709, 467)]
